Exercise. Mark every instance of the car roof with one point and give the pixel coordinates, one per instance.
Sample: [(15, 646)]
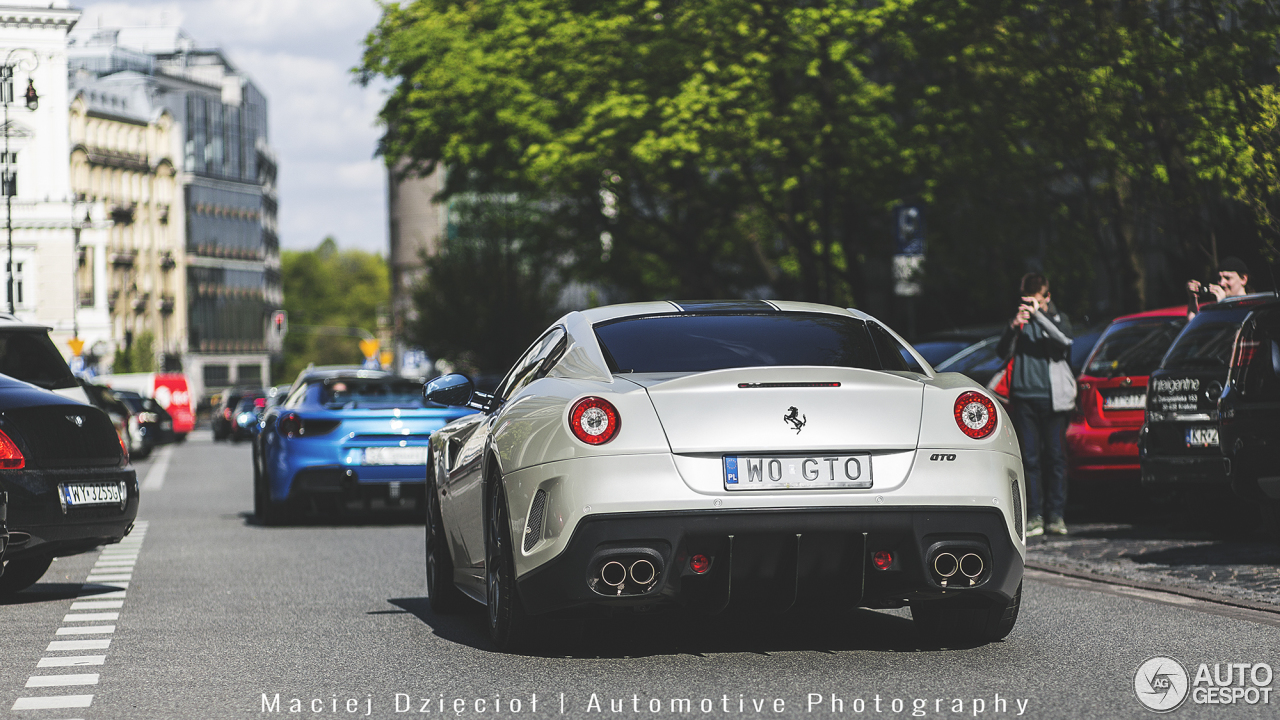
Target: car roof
[(325, 373), (606, 313), (1175, 311), (9, 321), (1237, 302)]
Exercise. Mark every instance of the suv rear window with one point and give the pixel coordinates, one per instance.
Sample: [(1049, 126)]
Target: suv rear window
[(30, 356), (1133, 347), (1205, 343), (700, 343)]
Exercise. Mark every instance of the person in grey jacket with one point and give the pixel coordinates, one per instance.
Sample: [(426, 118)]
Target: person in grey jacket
[(1042, 390)]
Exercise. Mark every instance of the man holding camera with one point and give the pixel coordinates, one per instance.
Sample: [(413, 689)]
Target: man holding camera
[(1233, 277), (1042, 390)]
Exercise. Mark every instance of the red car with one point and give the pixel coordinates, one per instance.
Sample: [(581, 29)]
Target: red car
[(1102, 437)]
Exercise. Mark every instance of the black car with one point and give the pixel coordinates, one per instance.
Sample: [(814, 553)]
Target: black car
[(68, 480), (104, 398), (151, 424), (1179, 442), (1249, 409), (222, 422), (245, 417)]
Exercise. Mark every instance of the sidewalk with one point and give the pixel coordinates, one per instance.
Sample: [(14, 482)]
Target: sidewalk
[(1156, 553)]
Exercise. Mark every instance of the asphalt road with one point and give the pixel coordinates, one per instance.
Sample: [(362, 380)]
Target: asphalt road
[(217, 616)]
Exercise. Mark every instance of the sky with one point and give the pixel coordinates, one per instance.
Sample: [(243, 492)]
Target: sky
[(322, 125)]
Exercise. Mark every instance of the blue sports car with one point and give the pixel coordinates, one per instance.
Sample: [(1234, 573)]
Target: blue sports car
[(345, 438)]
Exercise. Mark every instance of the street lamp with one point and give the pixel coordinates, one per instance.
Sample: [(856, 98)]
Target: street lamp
[(9, 180)]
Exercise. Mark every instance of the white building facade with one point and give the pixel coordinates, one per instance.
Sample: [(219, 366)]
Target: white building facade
[(43, 215)]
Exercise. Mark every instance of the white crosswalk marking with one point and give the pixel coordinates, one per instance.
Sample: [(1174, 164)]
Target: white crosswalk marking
[(90, 617), (78, 645), (87, 630), (62, 680), (96, 604), (53, 702), (71, 661)]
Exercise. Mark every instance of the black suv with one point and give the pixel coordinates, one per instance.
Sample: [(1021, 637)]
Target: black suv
[(1249, 409), (1179, 443)]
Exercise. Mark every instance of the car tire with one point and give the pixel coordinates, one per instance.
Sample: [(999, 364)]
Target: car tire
[(966, 620), (267, 512), (508, 624), (22, 574), (444, 597)]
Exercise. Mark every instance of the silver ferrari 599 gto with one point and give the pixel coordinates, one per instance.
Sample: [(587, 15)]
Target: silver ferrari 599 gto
[(720, 455)]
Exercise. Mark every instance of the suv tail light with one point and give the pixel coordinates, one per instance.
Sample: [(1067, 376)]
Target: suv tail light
[(10, 456), (975, 414), (594, 421)]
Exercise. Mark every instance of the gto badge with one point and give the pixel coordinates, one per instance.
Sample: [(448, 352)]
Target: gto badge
[(795, 419), (79, 421)]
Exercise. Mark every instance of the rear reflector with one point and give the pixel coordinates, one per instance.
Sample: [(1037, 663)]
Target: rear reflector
[(883, 559), (700, 564)]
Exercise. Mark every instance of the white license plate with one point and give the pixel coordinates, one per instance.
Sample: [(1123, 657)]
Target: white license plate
[(796, 472), (92, 494), (1124, 401), (1202, 437), (395, 456)]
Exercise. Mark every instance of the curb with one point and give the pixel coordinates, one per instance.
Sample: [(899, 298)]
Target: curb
[(1171, 590)]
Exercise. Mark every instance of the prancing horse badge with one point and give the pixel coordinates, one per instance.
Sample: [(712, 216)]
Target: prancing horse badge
[(795, 419)]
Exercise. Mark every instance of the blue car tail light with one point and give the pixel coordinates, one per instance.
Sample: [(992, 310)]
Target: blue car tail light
[(292, 425)]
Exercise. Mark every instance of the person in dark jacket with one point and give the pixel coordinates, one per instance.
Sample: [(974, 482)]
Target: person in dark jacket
[(1042, 391)]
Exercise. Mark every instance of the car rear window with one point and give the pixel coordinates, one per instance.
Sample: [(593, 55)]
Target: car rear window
[(365, 393), (704, 342), (30, 356), (1133, 347), (1205, 343)]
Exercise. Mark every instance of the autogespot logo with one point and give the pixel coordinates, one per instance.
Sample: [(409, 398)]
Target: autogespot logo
[(1161, 684)]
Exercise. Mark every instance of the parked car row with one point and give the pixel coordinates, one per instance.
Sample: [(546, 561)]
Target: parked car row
[(66, 485)]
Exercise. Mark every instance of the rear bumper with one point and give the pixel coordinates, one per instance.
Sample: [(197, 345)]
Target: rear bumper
[(1095, 452), (776, 559), (384, 486), (1168, 471), (35, 510)]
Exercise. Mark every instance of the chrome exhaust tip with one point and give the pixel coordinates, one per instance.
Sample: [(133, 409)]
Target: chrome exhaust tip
[(971, 565), (613, 573), (643, 572), (945, 564)]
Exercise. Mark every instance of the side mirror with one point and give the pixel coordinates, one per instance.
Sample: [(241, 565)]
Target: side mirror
[(454, 390)]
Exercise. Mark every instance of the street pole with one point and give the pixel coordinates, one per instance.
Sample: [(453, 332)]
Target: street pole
[(10, 172)]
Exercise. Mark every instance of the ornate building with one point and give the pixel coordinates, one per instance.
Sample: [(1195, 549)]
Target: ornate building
[(122, 156)]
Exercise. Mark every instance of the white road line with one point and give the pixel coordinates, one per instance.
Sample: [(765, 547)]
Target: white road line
[(62, 680), (78, 645), (117, 563), (52, 702), (72, 661), (87, 630), (90, 617), (112, 578), (159, 468), (97, 604)]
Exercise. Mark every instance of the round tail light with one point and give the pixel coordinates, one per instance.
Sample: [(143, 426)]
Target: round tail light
[(594, 421), (975, 415), (290, 425)]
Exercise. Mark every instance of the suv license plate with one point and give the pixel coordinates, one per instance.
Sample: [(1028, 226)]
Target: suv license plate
[(1202, 437), (797, 472), (92, 494)]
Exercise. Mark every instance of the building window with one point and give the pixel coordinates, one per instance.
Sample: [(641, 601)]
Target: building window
[(16, 296), (217, 376), (249, 374), (84, 277)]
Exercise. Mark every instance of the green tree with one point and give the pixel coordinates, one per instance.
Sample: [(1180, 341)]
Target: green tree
[(333, 288), (137, 356), (493, 285)]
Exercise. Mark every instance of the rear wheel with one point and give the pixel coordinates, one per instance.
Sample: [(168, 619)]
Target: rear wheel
[(508, 625), (22, 574), (966, 619), (267, 512), (444, 597)]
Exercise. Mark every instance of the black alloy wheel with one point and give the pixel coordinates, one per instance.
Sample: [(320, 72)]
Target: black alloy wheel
[(966, 619), (508, 624), (444, 597), (22, 574)]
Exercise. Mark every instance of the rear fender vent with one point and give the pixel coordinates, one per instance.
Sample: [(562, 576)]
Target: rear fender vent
[(533, 528), (1017, 505)]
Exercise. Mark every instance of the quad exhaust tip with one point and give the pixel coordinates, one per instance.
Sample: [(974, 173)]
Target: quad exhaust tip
[(613, 573), (945, 564), (971, 565), (643, 572)]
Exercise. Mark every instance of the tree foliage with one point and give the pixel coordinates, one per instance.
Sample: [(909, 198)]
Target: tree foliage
[(331, 288), (738, 147)]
